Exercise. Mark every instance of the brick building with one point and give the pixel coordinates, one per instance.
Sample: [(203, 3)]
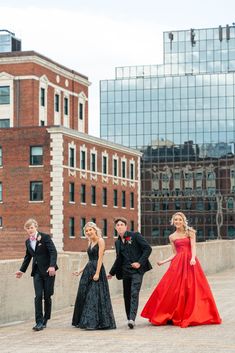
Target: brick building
[(50, 168)]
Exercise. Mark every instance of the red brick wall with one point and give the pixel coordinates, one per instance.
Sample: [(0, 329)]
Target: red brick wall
[(88, 211), (26, 94), (16, 176)]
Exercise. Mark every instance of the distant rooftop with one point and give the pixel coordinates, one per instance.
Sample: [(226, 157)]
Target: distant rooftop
[(9, 42)]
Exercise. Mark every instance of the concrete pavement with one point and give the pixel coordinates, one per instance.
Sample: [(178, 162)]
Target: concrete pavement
[(61, 337)]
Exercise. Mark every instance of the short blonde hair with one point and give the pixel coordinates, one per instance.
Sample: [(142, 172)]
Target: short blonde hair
[(29, 222)]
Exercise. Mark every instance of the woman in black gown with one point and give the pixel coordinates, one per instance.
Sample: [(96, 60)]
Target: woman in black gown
[(93, 308)]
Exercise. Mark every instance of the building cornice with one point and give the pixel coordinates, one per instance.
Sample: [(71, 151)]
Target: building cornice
[(92, 139), (35, 58)]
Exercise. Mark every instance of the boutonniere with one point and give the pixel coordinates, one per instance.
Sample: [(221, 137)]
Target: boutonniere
[(128, 240), (39, 238)]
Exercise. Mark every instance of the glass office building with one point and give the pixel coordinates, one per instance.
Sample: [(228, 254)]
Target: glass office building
[(181, 115)]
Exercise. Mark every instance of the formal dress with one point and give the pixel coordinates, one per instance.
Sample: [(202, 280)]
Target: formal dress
[(183, 296), (93, 308)]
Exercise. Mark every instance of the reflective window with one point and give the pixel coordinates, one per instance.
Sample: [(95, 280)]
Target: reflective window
[(4, 95)]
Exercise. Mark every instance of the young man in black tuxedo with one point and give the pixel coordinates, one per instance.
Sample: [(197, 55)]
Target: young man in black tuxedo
[(41, 248), (132, 253)]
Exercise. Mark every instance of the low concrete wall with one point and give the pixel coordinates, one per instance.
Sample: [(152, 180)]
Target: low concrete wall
[(16, 295)]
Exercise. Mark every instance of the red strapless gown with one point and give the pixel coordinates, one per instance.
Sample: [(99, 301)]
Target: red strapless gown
[(183, 296)]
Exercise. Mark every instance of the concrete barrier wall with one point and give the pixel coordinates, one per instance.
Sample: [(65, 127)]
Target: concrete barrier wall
[(17, 295)]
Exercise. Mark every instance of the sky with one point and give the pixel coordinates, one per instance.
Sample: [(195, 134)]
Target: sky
[(95, 36)]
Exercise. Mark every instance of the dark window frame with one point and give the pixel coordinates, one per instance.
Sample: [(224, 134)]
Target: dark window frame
[(71, 192), (71, 227), (83, 193), (36, 159), (4, 97), (93, 194), (38, 194)]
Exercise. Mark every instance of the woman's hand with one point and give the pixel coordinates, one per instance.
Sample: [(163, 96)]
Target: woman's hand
[(192, 262), (160, 263), (77, 273), (95, 277)]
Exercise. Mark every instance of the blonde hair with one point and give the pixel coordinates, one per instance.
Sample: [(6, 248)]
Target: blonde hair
[(187, 229), (29, 222), (94, 226)]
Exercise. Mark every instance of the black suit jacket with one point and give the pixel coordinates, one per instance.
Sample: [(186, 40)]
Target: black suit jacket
[(140, 251), (44, 256)]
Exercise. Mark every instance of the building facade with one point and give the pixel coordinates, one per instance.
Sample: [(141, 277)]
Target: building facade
[(50, 168), (181, 115)]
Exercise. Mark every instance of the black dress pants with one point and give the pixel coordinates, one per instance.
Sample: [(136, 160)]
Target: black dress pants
[(44, 289), (131, 289)]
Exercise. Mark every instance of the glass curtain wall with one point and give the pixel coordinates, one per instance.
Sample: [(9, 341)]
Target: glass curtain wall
[(181, 115)]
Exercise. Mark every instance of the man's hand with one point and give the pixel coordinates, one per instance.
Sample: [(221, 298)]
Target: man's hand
[(109, 276), (51, 271), (135, 265), (19, 274)]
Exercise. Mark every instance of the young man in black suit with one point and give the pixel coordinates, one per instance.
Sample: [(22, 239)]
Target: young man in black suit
[(41, 248), (132, 253)]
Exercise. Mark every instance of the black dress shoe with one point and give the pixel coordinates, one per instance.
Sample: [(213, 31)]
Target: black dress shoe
[(38, 327), (44, 323)]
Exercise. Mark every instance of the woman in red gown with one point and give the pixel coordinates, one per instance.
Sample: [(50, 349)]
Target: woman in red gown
[(183, 296)]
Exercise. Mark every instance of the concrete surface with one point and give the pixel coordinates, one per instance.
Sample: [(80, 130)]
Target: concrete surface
[(61, 337)]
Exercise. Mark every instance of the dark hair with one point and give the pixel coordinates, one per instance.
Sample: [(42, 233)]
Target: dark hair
[(121, 219)]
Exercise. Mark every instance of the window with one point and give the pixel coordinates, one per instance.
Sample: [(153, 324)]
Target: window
[(132, 200), (66, 106), (115, 167), (57, 103), (71, 157), (93, 220), (42, 97), (104, 196), (115, 198), (4, 123), (132, 226), (123, 169), (4, 95), (36, 155), (83, 193), (104, 164), (93, 162), (82, 225), (0, 191), (123, 198), (230, 203), (0, 156), (80, 111), (71, 192), (71, 227), (36, 191), (93, 194), (132, 171), (83, 160), (105, 227), (177, 204)]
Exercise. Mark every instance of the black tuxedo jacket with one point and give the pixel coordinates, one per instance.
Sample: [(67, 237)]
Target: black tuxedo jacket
[(140, 251), (44, 256)]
